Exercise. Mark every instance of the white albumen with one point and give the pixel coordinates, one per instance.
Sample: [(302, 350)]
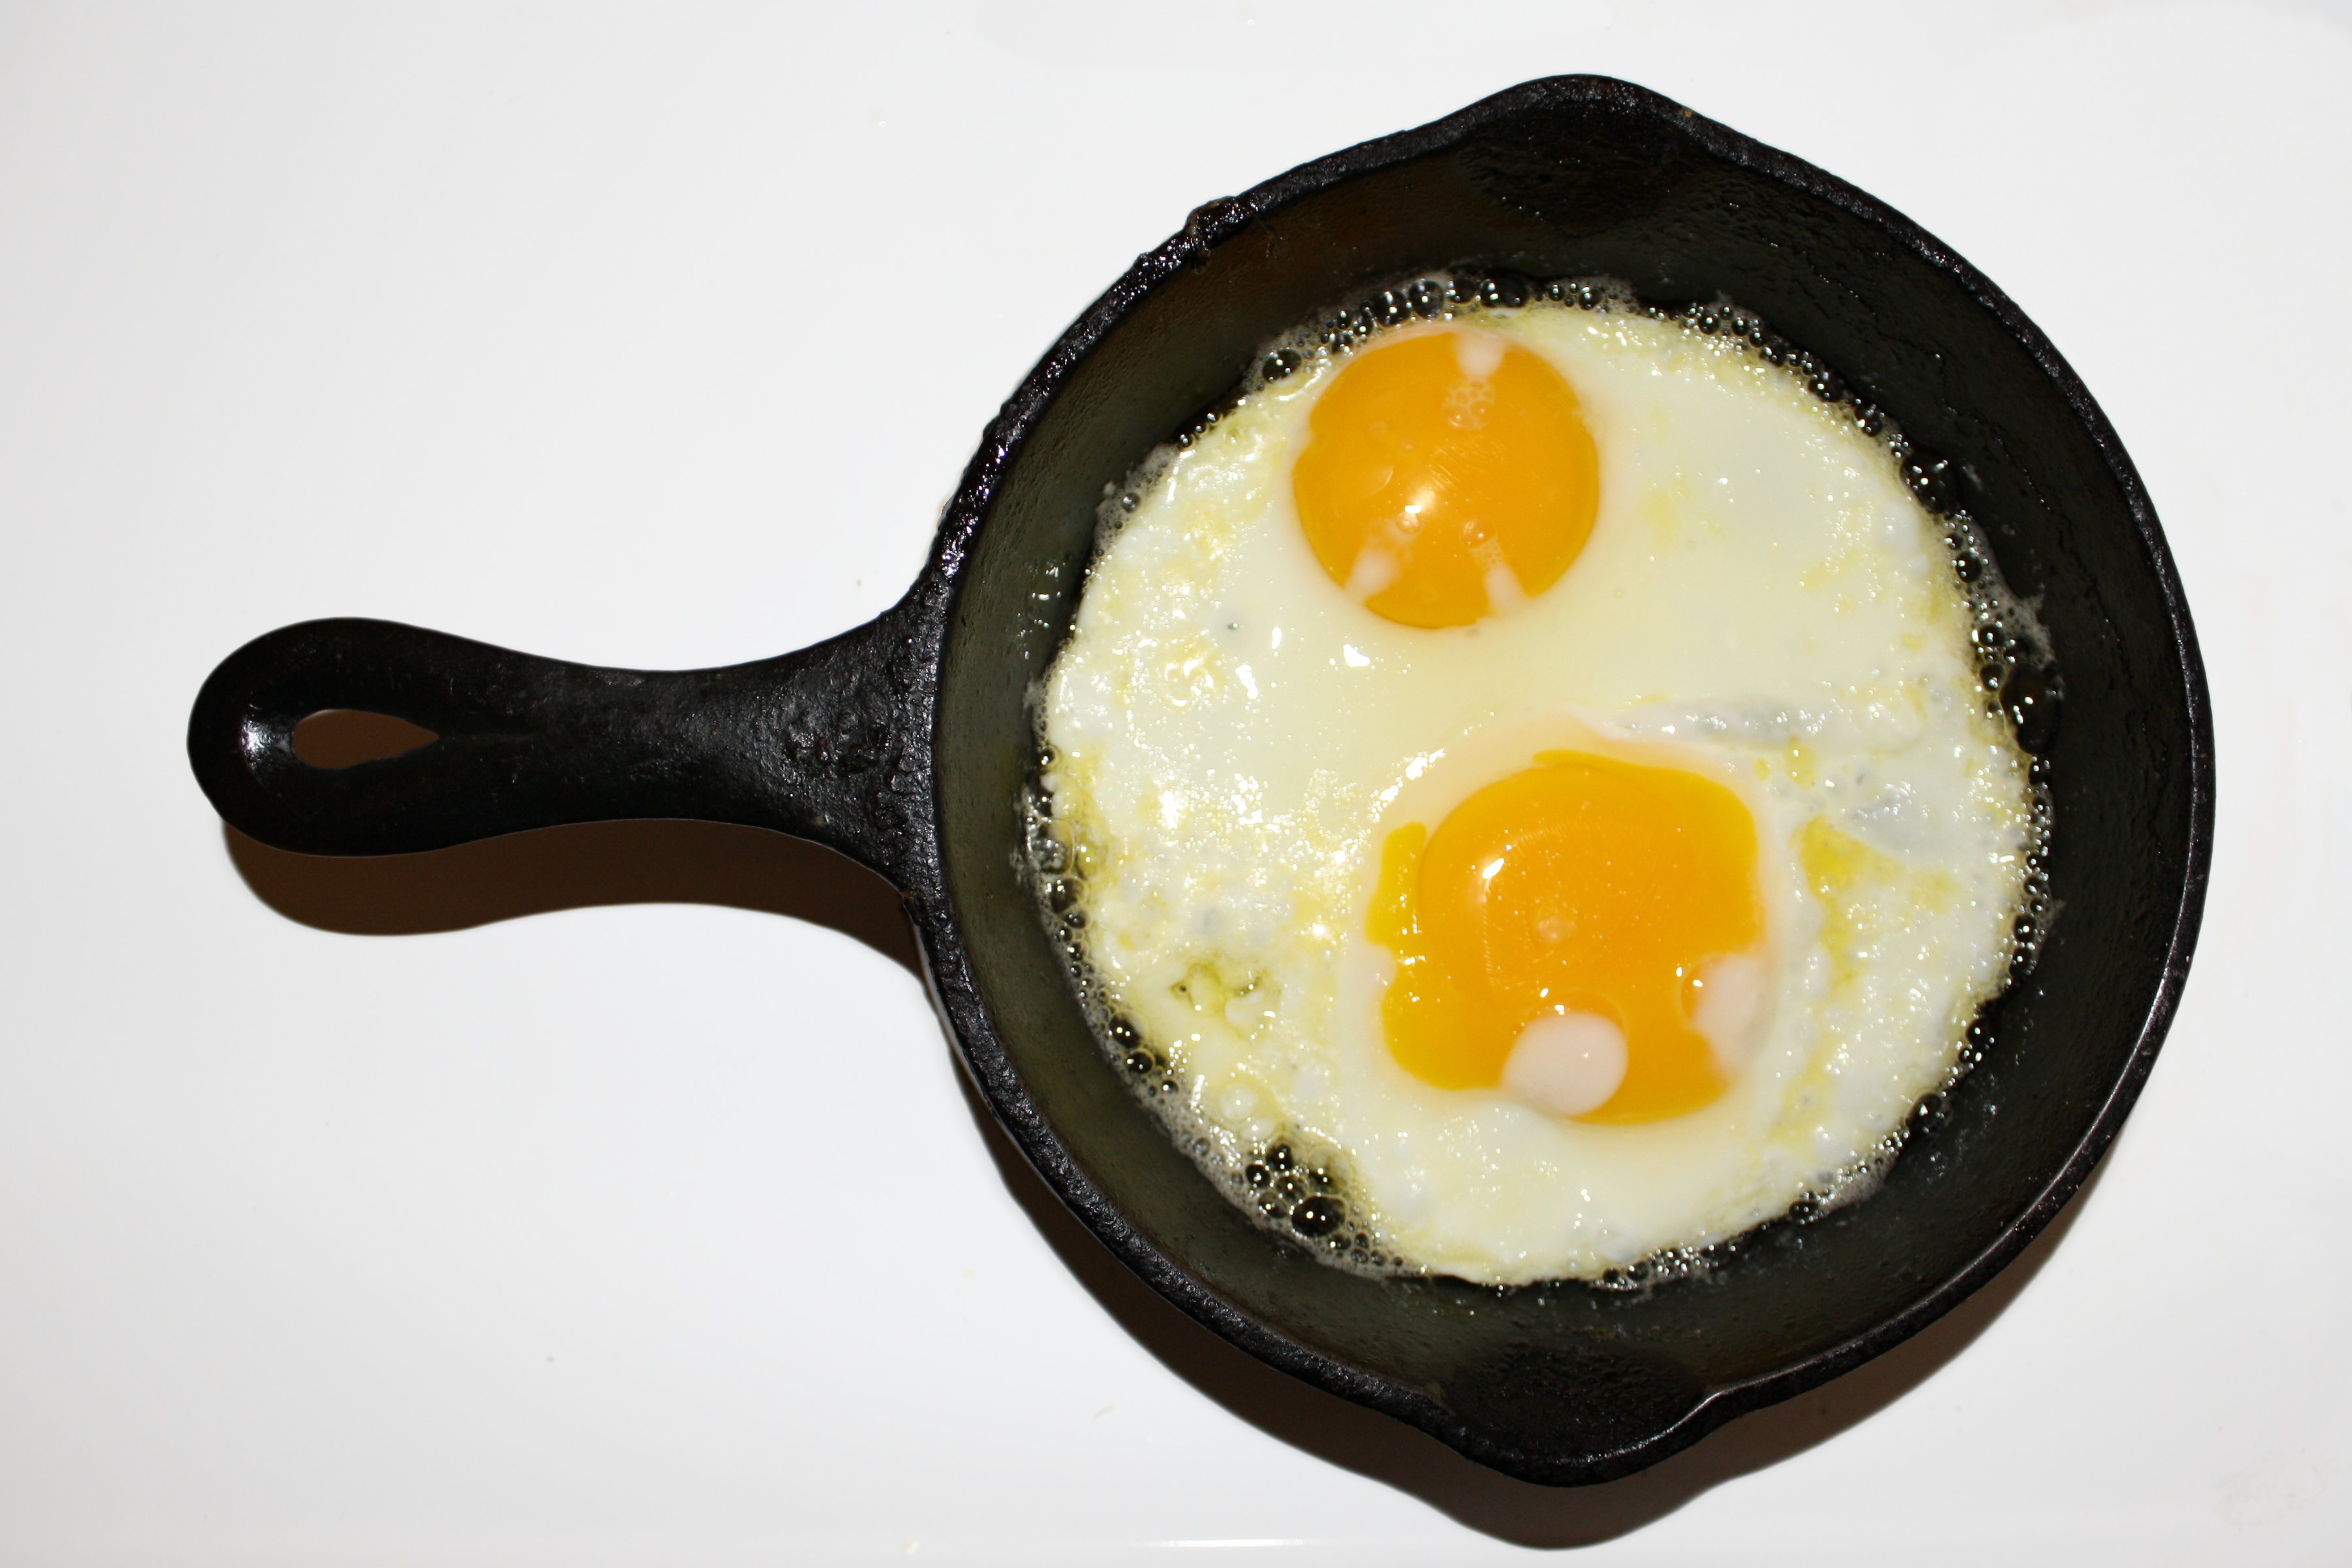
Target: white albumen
[(1232, 736)]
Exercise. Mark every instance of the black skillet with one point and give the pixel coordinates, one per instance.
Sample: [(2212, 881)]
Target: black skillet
[(906, 744)]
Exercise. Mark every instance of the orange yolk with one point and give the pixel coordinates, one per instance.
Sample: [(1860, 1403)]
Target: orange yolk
[(1446, 477), (1584, 887)]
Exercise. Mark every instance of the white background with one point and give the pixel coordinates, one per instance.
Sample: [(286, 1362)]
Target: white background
[(664, 1233)]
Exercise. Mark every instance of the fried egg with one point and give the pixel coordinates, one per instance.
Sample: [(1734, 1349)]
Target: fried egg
[(1528, 795)]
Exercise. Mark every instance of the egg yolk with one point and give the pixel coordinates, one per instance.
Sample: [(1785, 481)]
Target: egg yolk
[(1561, 926), (1446, 477)]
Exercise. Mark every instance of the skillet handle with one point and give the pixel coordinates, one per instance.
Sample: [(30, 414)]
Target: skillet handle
[(826, 743)]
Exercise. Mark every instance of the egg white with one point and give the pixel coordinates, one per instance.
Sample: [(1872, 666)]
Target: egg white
[(1232, 736)]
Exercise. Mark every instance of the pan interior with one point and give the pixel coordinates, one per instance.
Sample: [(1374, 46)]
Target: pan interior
[(1576, 1383)]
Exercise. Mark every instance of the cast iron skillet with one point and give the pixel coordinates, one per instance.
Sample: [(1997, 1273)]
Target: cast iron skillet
[(904, 744)]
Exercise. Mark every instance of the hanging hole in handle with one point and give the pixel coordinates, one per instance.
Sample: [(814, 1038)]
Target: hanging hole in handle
[(345, 737)]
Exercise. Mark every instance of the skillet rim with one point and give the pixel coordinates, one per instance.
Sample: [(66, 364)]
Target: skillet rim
[(930, 605)]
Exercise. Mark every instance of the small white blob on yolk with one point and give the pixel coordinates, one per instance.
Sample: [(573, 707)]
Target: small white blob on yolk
[(1566, 1063), (1728, 998)]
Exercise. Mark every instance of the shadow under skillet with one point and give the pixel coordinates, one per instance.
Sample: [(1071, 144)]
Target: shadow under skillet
[(1517, 1511), (585, 865), (595, 864)]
